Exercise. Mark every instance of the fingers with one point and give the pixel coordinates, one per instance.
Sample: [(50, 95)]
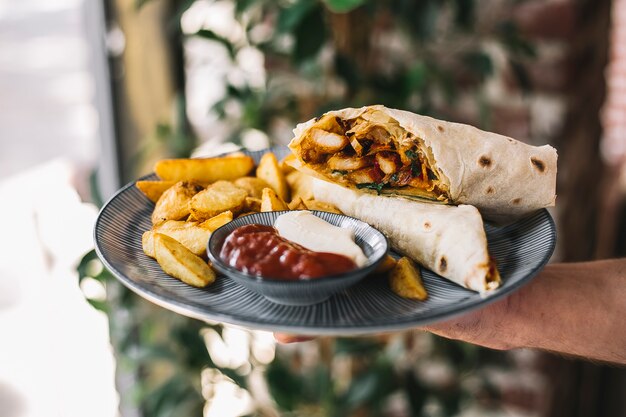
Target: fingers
[(290, 338)]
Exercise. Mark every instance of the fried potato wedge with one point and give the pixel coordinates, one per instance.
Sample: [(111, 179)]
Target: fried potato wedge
[(178, 261), (189, 234), (154, 189), (247, 213), (285, 164), (321, 206), (217, 198), (254, 186), (406, 280), (253, 204), (297, 204), (269, 171), (174, 203), (218, 221), (270, 201), (386, 265), (300, 185), (204, 170)]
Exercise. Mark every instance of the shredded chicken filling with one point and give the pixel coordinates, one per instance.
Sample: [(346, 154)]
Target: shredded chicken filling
[(370, 152)]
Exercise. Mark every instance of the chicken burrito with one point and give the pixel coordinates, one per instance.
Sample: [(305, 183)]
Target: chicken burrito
[(394, 152), (448, 240)]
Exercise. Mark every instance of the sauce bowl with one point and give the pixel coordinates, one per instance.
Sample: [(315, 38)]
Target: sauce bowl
[(304, 291)]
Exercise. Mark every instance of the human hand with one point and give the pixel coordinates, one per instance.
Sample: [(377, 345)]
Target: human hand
[(486, 327)]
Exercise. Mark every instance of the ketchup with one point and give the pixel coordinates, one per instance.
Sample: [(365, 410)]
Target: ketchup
[(259, 250)]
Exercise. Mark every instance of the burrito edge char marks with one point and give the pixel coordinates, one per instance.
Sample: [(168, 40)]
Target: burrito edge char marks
[(394, 152)]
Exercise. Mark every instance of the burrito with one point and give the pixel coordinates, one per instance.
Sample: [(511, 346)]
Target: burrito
[(386, 151), (448, 240)]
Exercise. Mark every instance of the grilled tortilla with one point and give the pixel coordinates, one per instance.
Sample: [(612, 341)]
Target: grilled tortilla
[(394, 152), (448, 240)]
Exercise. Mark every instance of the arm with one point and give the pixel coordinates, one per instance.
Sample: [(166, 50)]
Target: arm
[(576, 309)]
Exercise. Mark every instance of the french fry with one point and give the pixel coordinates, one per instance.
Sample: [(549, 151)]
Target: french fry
[(207, 170), (301, 185), (217, 198), (178, 261), (218, 221), (406, 280), (297, 204), (154, 189), (254, 186), (174, 203), (189, 234), (272, 202), (269, 171), (321, 206), (385, 265)]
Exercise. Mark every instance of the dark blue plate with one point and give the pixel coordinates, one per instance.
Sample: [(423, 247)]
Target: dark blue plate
[(521, 250)]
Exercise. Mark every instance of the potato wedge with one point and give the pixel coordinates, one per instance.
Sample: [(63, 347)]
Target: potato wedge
[(320, 206), (218, 221), (254, 186), (385, 265), (204, 170), (300, 185), (217, 198), (297, 204), (147, 243), (178, 261), (174, 203), (270, 201), (269, 171), (285, 165), (154, 189), (253, 204), (406, 280), (189, 234), (247, 213)]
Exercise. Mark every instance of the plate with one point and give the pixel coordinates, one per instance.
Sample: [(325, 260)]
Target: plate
[(521, 250)]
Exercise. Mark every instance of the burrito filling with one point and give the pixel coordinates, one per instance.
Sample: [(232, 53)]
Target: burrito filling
[(371, 152)]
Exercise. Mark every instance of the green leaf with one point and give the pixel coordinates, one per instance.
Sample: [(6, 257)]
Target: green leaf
[(242, 5), (416, 77), (343, 6), (512, 40), (371, 186), (210, 35), (308, 40), (99, 305), (372, 386), (291, 17), (285, 387), (479, 63)]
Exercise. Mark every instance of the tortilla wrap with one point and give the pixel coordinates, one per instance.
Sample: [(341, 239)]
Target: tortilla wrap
[(448, 240), (397, 152)]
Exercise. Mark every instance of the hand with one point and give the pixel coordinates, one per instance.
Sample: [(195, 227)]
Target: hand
[(489, 327)]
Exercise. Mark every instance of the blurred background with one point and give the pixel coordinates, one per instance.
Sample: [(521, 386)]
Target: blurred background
[(94, 91)]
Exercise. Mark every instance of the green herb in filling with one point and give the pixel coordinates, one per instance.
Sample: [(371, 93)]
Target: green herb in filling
[(339, 172), (372, 186), (411, 154)]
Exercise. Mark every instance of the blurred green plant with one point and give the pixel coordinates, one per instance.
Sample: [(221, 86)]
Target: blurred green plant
[(425, 56)]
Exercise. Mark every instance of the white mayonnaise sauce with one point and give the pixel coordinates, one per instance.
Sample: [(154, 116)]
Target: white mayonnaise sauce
[(313, 233)]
